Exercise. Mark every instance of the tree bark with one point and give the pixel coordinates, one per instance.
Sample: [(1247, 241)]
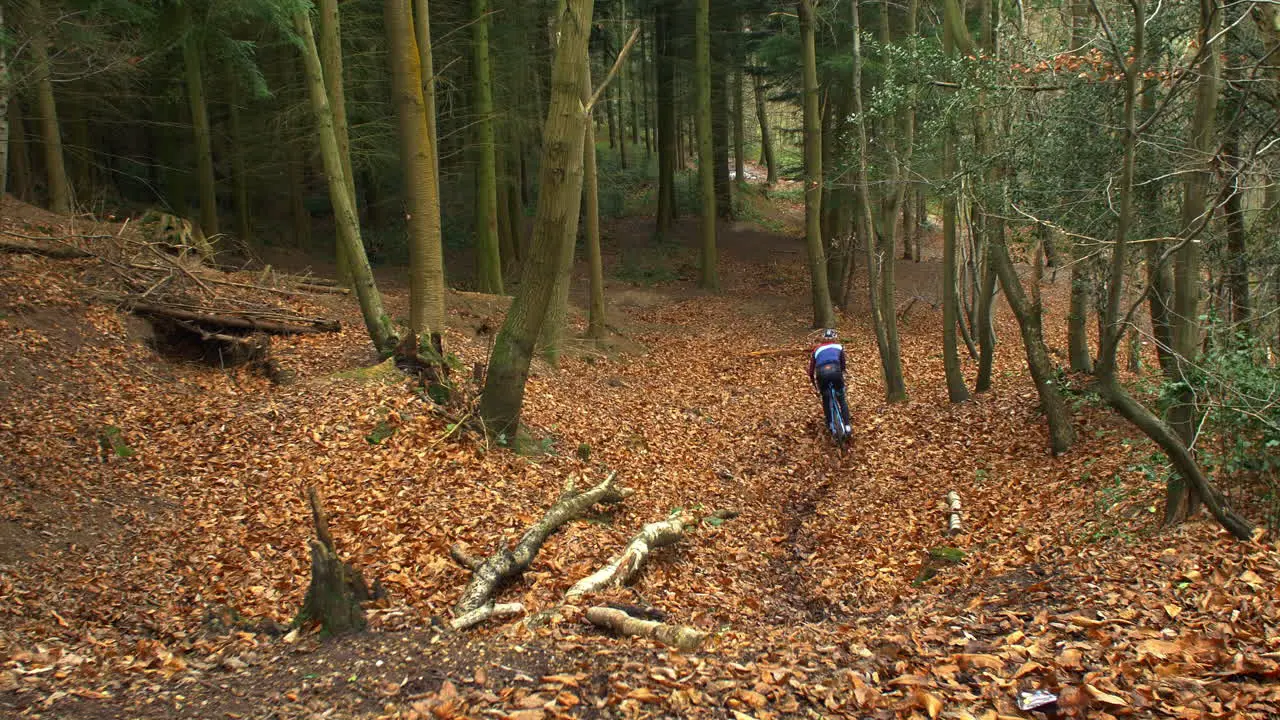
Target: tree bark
[(823, 313), (375, 318), (739, 139), (555, 226), (337, 589), (330, 48), (708, 195), (426, 65), (418, 164), (55, 163), (1237, 270)]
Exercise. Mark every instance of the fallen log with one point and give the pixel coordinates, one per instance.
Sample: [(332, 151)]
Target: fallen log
[(229, 320), (57, 252), (624, 566), (337, 589), (504, 566), (322, 289), (953, 520), (619, 622)]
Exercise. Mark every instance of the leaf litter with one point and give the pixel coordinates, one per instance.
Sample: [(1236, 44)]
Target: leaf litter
[(161, 583)]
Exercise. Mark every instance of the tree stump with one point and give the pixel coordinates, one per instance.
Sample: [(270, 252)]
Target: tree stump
[(337, 589)]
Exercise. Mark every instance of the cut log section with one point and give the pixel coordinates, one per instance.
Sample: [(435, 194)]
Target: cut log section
[(953, 518), (504, 566), (337, 589), (618, 622), (626, 565)]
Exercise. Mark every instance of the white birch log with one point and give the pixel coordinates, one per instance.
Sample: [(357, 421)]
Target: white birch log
[(617, 621), (625, 565), (953, 521)]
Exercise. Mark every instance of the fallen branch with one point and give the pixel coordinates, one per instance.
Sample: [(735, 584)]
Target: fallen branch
[(322, 289), (775, 352), (239, 321), (624, 566), (617, 621), (953, 520), (57, 252), (504, 566), (485, 612)]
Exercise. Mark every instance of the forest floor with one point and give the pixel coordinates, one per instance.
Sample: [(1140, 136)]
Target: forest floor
[(147, 586)]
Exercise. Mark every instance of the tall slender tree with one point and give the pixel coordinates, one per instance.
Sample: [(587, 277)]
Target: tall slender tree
[(957, 391), (330, 47), (375, 318), (50, 132), (823, 313), (707, 195), (418, 163), (488, 258), (766, 139)]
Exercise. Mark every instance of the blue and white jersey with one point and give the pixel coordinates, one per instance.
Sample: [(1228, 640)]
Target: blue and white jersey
[(827, 353)]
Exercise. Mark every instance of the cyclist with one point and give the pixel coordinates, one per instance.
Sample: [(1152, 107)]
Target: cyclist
[(826, 369)]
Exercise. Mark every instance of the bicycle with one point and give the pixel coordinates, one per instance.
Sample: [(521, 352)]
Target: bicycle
[(837, 422)]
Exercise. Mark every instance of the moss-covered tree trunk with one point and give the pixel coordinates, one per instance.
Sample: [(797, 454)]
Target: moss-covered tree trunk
[(823, 313), (375, 318), (418, 165), (555, 226), (50, 133), (488, 254)]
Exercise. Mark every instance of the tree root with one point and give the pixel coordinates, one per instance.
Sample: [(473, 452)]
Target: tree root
[(504, 566), (485, 612), (619, 622)]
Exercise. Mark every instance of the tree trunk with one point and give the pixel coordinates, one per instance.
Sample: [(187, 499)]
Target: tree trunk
[(19, 151), (983, 324), (555, 226), (596, 320), (330, 46), (488, 258), (1237, 271), (1028, 314), (5, 89), (646, 96), (240, 178), (375, 318), (427, 66), (957, 391), (193, 74), (55, 167), (719, 29), (766, 141), (1183, 499), (708, 165), (739, 139), (668, 130), (823, 314), (418, 164)]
